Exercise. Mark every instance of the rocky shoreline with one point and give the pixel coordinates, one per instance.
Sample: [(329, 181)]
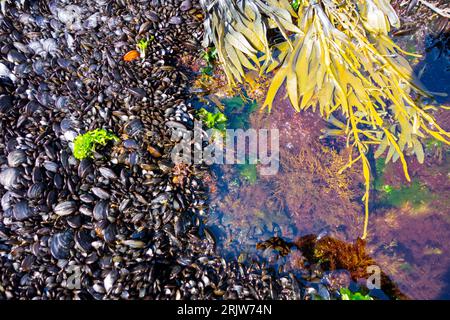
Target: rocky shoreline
[(128, 223)]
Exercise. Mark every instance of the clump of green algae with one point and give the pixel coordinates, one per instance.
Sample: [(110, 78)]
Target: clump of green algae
[(238, 110), (248, 172), (346, 294), (85, 144), (235, 115), (209, 56), (213, 120), (415, 193)]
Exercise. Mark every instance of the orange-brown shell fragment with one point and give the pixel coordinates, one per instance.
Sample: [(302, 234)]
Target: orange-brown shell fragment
[(131, 55)]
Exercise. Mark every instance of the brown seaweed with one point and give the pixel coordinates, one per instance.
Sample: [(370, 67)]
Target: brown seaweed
[(333, 254)]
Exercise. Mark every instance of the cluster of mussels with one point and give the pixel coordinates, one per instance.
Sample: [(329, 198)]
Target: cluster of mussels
[(122, 224)]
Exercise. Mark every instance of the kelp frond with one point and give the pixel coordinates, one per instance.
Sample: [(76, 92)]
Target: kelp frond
[(344, 65), (238, 29), (377, 15)]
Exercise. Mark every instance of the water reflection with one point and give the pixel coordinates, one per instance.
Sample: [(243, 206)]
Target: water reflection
[(434, 68)]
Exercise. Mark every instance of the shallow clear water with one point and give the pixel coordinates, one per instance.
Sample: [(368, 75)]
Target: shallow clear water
[(409, 225)]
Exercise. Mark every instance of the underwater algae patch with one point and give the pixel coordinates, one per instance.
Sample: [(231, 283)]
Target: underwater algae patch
[(308, 186), (316, 196), (305, 196), (337, 59), (334, 254), (328, 254), (411, 246), (411, 225), (409, 238)]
